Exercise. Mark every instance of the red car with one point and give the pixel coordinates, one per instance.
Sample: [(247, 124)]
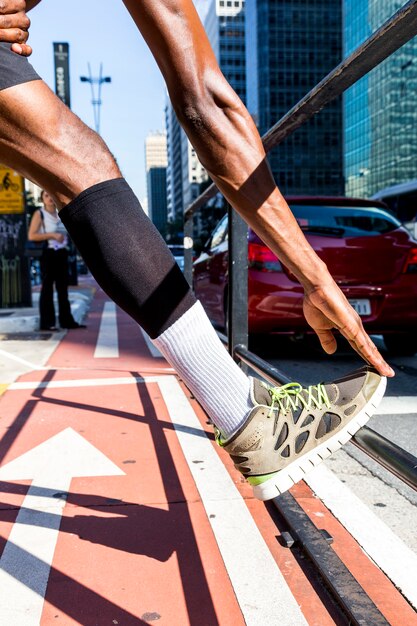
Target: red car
[(370, 255)]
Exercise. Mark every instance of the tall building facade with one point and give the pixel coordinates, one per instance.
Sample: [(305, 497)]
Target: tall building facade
[(156, 168), (225, 28), (185, 174), (290, 46), (380, 121), (174, 131)]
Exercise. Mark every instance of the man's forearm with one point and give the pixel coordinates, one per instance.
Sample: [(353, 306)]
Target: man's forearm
[(222, 131)]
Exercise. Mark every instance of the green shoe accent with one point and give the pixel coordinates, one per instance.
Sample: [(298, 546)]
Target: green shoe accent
[(258, 480), (218, 437)]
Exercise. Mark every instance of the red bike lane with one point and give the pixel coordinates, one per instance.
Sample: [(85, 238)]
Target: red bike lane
[(105, 518)]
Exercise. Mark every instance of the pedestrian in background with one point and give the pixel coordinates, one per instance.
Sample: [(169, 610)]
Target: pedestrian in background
[(46, 226)]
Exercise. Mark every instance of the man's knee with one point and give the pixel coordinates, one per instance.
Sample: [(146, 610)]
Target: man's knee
[(88, 161), (53, 147)]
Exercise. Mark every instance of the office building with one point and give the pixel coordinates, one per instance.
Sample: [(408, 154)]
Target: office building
[(290, 46), (174, 169), (156, 168), (380, 109), (225, 28)]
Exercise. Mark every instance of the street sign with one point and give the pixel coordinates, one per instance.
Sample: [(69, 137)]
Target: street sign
[(15, 288), (62, 90), (62, 77), (12, 198)]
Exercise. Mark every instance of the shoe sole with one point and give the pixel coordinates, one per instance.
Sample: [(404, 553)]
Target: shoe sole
[(295, 471)]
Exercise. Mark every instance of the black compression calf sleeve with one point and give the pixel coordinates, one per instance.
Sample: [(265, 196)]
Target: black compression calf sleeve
[(127, 255)]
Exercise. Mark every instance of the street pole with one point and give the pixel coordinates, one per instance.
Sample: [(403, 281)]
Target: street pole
[(96, 100)]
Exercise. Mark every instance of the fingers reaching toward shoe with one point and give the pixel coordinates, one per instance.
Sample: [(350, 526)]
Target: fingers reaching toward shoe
[(325, 309)]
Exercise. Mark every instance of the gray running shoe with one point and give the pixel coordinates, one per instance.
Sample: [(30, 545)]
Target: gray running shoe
[(292, 429)]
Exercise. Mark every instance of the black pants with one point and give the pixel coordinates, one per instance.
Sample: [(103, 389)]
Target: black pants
[(54, 269)]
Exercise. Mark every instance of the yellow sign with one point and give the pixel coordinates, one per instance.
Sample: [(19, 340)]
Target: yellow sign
[(12, 199)]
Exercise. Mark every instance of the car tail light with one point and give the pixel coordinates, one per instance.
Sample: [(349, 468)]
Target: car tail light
[(411, 262), (261, 258)]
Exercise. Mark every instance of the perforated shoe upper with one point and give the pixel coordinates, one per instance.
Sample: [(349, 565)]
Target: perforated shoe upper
[(289, 421)]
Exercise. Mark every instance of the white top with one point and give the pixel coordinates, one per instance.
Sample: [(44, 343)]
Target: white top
[(52, 224)]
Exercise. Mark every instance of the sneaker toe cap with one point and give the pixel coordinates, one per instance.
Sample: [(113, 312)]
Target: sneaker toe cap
[(371, 384)]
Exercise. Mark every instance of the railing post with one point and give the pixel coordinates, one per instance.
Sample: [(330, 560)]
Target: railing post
[(237, 309), (188, 248)]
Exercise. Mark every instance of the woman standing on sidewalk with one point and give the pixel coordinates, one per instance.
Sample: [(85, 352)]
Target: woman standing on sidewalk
[(46, 226)]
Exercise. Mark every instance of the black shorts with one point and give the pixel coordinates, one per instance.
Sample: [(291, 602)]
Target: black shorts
[(14, 69)]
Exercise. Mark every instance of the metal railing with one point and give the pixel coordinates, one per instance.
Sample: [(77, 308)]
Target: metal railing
[(387, 39)]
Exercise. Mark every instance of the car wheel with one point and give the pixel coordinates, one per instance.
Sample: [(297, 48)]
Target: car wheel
[(401, 344)]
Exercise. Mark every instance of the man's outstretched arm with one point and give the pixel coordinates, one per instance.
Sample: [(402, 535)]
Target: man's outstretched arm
[(228, 145)]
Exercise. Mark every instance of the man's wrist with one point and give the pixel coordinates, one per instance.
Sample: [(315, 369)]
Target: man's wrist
[(315, 277)]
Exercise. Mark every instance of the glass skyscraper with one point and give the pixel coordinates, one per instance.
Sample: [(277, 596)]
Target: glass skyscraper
[(380, 109), (290, 46)]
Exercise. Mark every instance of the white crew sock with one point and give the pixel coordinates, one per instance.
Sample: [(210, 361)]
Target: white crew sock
[(194, 350)]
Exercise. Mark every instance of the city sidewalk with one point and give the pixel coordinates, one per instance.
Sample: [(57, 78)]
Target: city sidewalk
[(118, 507)]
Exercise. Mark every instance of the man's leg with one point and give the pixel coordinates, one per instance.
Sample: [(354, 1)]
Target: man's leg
[(47, 143), (274, 436), (119, 243)]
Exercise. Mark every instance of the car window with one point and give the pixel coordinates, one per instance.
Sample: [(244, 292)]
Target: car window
[(344, 221), (219, 233)]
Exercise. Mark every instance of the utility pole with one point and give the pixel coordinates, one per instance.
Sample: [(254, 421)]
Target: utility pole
[(96, 97)]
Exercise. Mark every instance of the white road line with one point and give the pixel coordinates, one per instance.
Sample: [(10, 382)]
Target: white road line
[(152, 349), (89, 382), (107, 346), (18, 359), (391, 554), (398, 405), (261, 590)]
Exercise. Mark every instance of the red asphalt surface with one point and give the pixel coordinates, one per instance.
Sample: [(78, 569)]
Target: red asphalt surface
[(138, 548)]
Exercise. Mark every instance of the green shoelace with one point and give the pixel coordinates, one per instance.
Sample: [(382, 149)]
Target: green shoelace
[(288, 397)]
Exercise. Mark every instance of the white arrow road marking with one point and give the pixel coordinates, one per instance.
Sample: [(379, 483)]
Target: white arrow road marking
[(27, 557)]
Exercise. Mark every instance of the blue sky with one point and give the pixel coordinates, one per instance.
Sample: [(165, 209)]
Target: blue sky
[(133, 104)]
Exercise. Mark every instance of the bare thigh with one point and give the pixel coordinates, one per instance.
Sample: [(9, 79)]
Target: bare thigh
[(47, 143)]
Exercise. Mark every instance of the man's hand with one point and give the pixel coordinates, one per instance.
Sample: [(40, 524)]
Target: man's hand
[(14, 25), (325, 309)]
